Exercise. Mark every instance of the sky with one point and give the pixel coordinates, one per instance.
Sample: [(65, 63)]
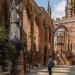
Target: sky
[(57, 6)]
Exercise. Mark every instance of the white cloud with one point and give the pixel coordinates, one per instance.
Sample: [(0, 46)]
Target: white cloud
[(60, 7), (59, 10)]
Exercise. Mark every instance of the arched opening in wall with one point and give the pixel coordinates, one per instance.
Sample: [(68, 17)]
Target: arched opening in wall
[(40, 39), (27, 31), (36, 41), (61, 45), (36, 35)]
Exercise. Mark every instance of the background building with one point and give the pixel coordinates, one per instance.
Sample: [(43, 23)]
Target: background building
[(64, 44)]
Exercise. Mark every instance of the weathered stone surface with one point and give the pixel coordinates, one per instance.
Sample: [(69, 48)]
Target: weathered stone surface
[(37, 29), (69, 24)]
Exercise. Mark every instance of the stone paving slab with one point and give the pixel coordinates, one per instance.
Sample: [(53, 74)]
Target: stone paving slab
[(56, 71)]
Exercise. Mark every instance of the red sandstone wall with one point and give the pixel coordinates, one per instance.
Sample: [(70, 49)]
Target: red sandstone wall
[(70, 26), (26, 27), (71, 29), (38, 37)]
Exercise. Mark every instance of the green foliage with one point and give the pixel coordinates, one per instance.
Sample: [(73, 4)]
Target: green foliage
[(7, 49), (7, 52), (3, 34)]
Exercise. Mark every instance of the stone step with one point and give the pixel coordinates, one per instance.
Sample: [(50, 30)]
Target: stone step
[(4, 73), (57, 70), (60, 69), (55, 73)]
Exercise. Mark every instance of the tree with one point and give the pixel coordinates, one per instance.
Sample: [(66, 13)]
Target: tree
[(7, 49)]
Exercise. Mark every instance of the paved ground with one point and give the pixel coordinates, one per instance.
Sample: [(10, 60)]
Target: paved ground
[(58, 70)]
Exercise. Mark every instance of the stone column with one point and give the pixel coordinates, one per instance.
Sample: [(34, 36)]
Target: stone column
[(69, 8), (32, 19), (41, 40), (18, 62), (15, 37)]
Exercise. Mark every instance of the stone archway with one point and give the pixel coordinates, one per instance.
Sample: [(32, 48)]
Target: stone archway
[(61, 45), (40, 54)]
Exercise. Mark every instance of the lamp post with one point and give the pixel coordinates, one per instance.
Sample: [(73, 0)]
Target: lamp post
[(15, 37)]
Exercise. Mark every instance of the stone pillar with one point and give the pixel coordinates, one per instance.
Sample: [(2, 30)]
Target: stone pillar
[(73, 7), (15, 37), (18, 62), (69, 8), (40, 54), (32, 19)]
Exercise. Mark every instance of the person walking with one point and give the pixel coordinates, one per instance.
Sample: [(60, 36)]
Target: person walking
[(50, 65)]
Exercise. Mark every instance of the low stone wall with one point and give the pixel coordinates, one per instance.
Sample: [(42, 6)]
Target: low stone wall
[(4, 73)]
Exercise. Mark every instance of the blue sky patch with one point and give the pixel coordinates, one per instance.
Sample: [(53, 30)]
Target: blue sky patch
[(58, 7)]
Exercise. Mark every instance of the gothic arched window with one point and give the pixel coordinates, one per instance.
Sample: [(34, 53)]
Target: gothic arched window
[(61, 39)]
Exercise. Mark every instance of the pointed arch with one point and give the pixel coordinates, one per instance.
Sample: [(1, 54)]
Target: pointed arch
[(61, 26)]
